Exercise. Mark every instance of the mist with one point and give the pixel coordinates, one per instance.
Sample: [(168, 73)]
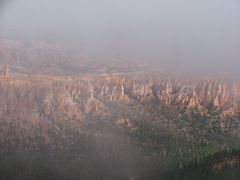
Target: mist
[(186, 35)]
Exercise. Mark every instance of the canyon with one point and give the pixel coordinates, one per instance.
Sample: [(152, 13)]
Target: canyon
[(32, 105), (58, 105)]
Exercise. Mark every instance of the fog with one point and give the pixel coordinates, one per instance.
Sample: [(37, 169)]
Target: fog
[(184, 35)]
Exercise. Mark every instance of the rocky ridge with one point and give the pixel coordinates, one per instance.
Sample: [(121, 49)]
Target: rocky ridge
[(86, 94), (31, 106), (31, 57)]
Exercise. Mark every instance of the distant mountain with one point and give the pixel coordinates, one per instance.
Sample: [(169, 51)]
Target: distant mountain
[(29, 57)]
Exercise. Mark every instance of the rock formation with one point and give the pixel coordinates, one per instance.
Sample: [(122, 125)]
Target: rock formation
[(35, 104), (38, 107)]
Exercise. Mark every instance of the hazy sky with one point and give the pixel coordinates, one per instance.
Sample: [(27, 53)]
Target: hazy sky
[(184, 34)]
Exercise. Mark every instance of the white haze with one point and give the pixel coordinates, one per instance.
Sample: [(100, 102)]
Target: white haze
[(183, 35)]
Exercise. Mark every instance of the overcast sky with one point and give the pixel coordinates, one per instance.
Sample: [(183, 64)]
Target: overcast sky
[(185, 34)]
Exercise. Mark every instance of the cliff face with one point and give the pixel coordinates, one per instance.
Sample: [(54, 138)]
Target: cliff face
[(34, 107), (48, 95)]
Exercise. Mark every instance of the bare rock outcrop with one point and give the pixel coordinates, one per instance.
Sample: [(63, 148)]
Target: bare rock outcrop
[(33, 105)]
